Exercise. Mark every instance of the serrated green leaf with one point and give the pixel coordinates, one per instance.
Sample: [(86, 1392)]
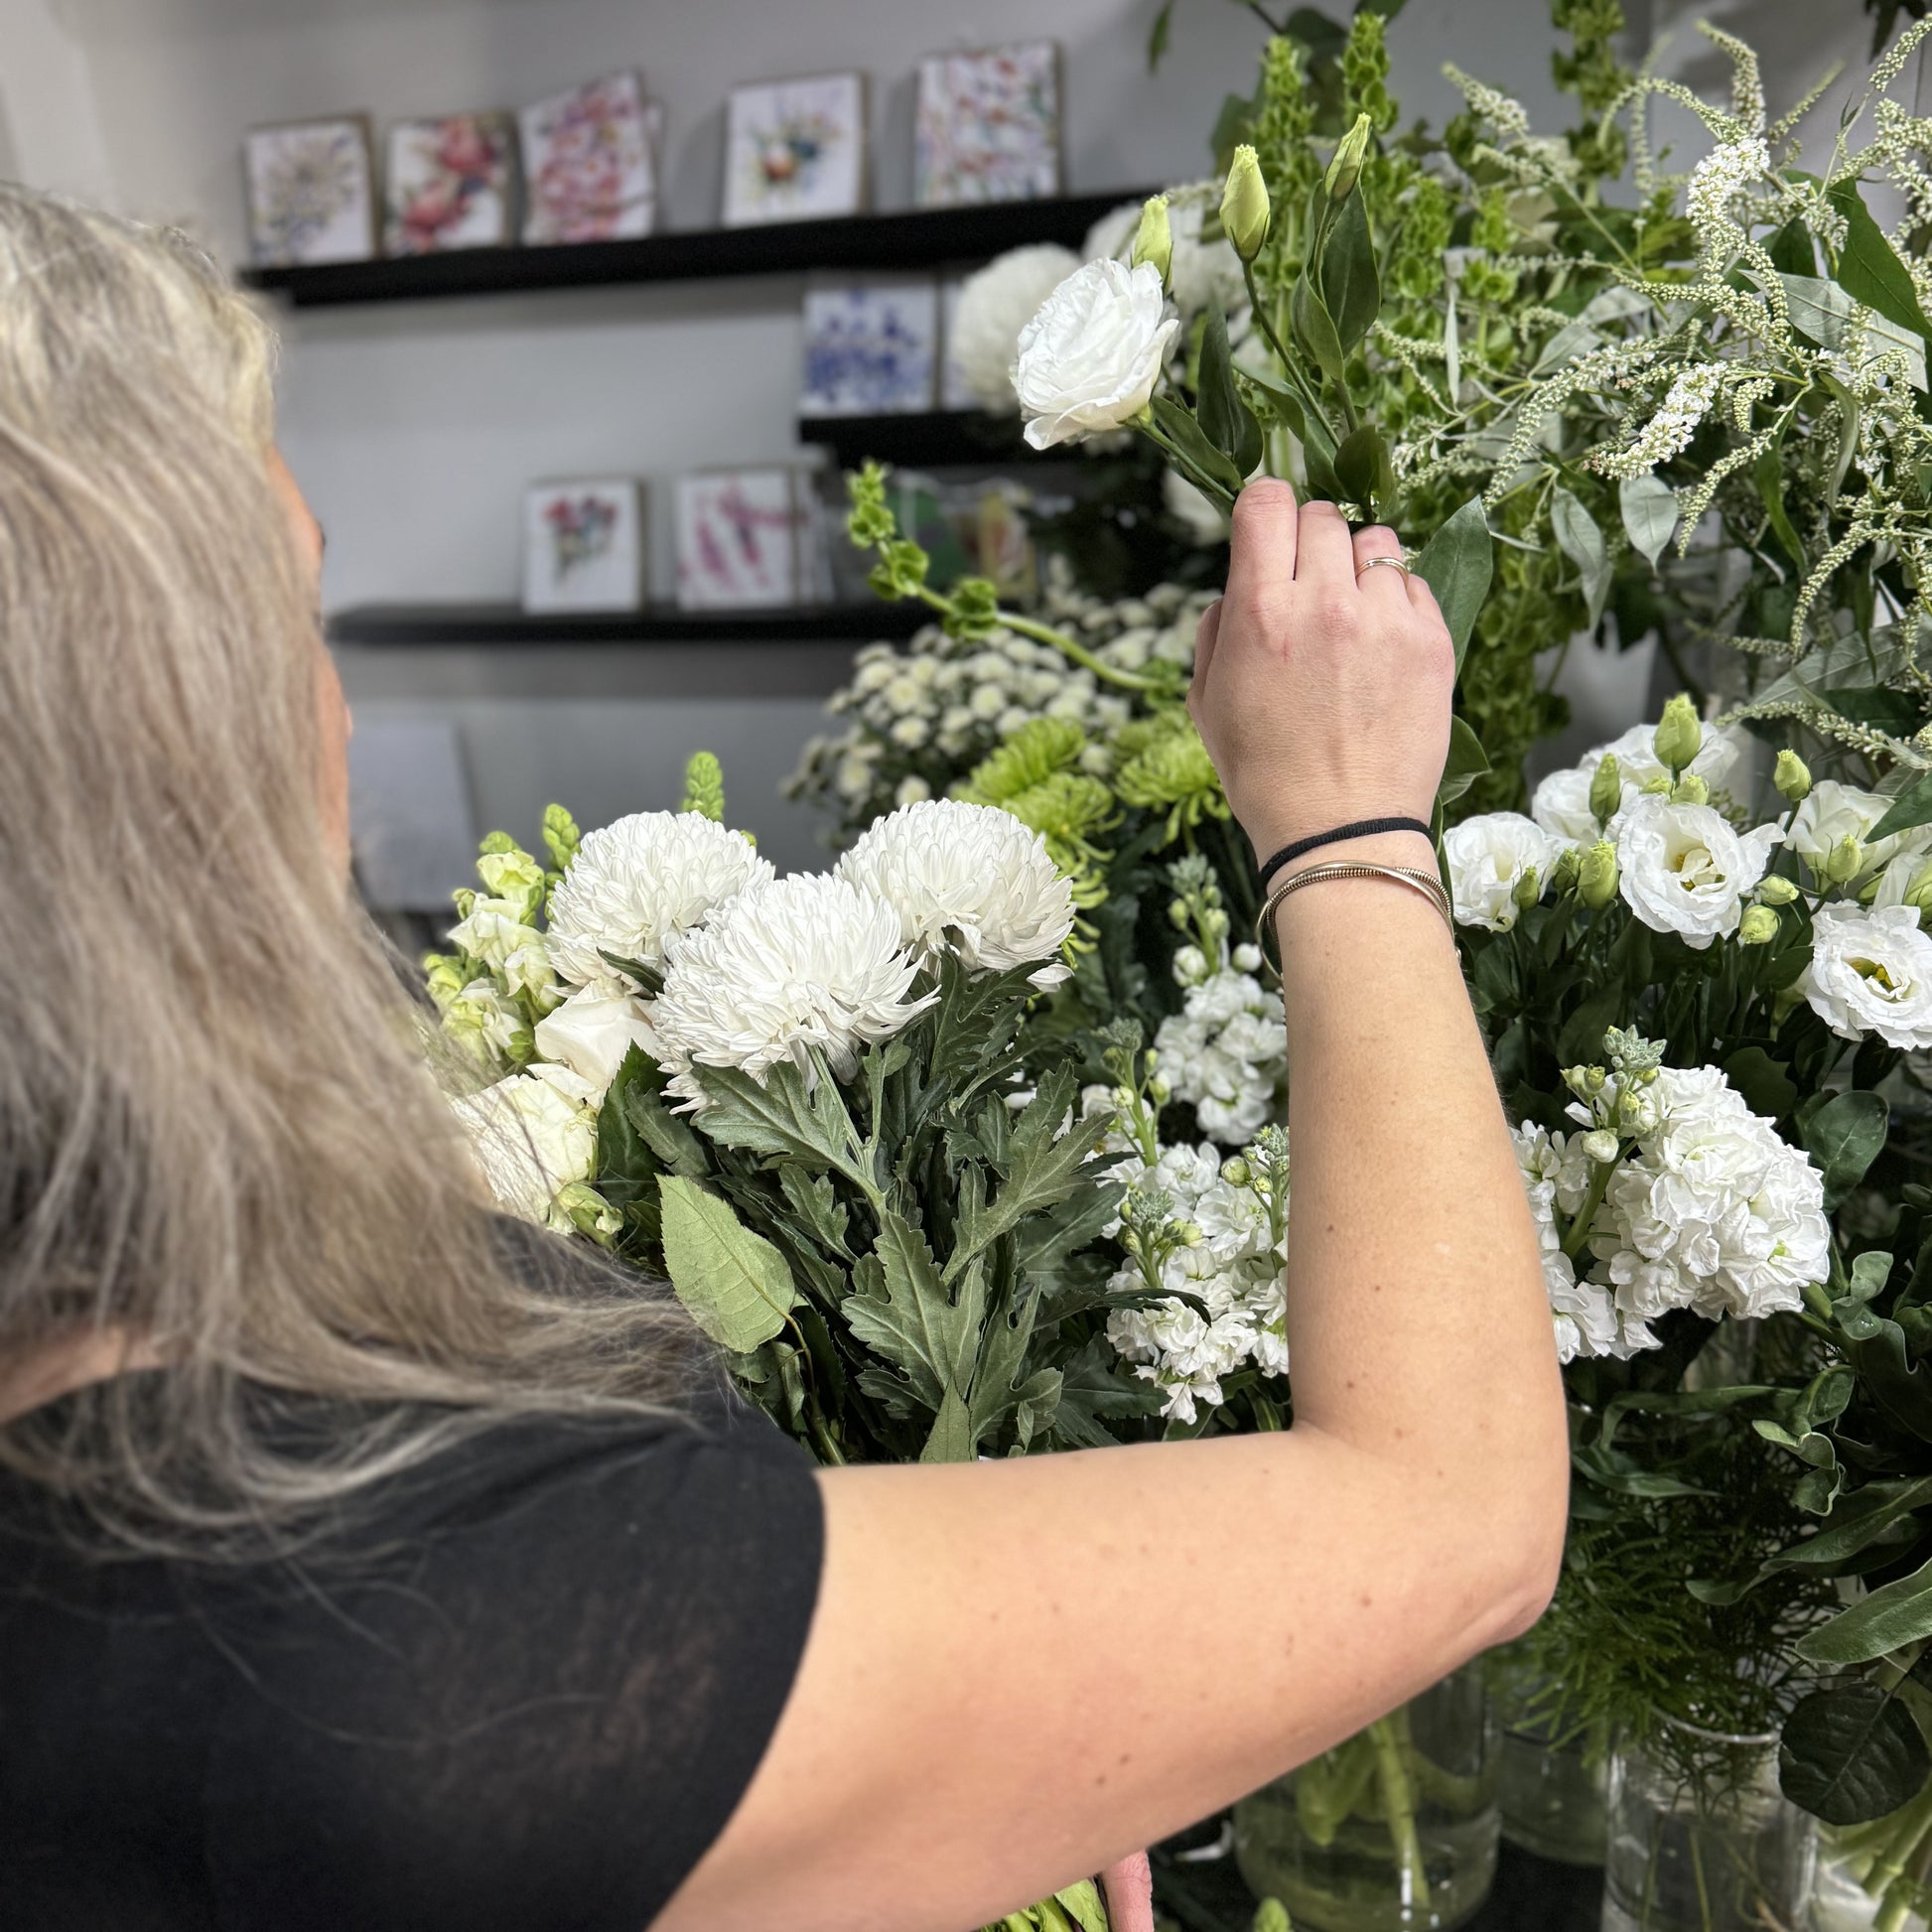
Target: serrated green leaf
[(1852, 1753), (1648, 505), (951, 1440), (734, 1282), (914, 1324), (1578, 538), (779, 1116), (1456, 563)]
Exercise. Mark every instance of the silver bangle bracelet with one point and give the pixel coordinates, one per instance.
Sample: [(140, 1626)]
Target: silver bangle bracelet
[(1428, 884)]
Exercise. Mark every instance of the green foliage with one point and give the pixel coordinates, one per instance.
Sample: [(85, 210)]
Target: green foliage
[(734, 1282)]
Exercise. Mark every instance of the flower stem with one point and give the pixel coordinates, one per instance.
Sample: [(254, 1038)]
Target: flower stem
[(1398, 1803), (1599, 1181), (1042, 633)]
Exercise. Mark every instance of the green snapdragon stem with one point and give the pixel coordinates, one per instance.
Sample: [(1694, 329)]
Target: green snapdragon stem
[(1044, 634), (1580, 1228), (1399, 1802)]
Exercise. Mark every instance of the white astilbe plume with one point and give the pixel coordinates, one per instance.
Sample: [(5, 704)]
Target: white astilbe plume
[(967, 879), (639, 884), (994, 305), (809, 964)]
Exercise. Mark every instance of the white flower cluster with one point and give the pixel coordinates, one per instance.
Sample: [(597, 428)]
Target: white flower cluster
[(1561, 805), (1216, 1232), (994, 305), (1224, 1052), (1704, 1207), (1685, 404)]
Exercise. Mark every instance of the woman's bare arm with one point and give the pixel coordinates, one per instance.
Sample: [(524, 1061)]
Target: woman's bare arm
[(1020, 1671)]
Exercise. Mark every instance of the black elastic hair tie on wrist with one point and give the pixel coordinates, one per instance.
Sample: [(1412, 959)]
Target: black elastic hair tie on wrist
[(1362, 829)]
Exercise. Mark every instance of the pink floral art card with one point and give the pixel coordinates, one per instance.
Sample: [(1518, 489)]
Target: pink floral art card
[(451, 184), (742, 539), (584, 545), (590, 163)]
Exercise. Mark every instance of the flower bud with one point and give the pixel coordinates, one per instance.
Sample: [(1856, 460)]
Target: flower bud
[(1596, 1079), (1154, 240), (1846, 860), (1272, 1916), (1680, 735), (1774, 891), (1244, 204), (1234, 1171), (1758, 927), (1189, 966), (1792, 777), (1159, 1091), (1597, 877), (1606, 790), (1601, 1143), (1189, 1233), (1918, 894), (443, 976), (1526, 891), (1562, 874), (1691, 789), (1346, 169), (1177, 914), (1247, 960)]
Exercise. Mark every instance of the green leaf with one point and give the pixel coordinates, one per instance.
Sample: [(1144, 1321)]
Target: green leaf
[(1351, 289), (1889, 1618), (734, 1282), (1314, 329), (1225, 420), (1910, 809), (1767, 473), (1852, 1753), (914, 1323), (1467, 761), (1868, 268), (1844, 1138), (1578, 538), (1650, 510), (1862, 1520), (1763, 1081), (1363, 467), (1159, 34), (667, 1134), (951, 1440), (1207, 467), (1456, 564), (780, 1117), (1819, 309)]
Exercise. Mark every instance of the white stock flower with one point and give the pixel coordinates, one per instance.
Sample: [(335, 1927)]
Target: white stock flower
[(809, 963), (1223, 1053), (994, 305), (532, 1137), (968, 880), (1584, 1313), (1489, 855), (637, 884), (1089, 360), (1872, 972), (1683, 869), (592, 1033)]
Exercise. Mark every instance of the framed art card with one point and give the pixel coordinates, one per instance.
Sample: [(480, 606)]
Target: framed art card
[(584, 544), (742, 540), (590, 163), (872, 348), (987, 125), (451, 184), (795, 149), (311, 191)]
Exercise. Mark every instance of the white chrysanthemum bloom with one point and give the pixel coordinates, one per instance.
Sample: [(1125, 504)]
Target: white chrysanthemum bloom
[(592, 1033), (533, 1136), (1223, 1053), (1561, 806), (994, 305), (639, 884), (1872, 972), (1831, 812), (1683, 869), (967, 879), (1489, 856), (808, 964), (1089, 360)]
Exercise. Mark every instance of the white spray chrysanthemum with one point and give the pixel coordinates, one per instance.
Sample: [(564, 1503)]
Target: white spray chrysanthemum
[(967, 879), (639, 884), (810, 964)]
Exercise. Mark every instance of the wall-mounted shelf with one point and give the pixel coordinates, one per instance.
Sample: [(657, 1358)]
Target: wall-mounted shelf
[(509, 623), (940, 436), (915, 239)]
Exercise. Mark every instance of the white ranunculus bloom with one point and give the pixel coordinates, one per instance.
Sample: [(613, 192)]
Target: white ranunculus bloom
[(1089, 360), (1489, 856), (533, 1135), (994, 305), (1683, 869), (639, 882), (1561, 805), (1872, 972), (593, 1031), (809, 963), (968, 880)]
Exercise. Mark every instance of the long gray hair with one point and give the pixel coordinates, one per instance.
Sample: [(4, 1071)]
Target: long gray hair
[(216, 1130)]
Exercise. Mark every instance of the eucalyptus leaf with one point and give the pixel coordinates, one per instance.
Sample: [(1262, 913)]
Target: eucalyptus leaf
[(1456, 563), (1351, 288), (1910, 809), (1578, 538), (1314, 329), (734, 1282), (1467, 761), (1650, 508), (1852, 1753)]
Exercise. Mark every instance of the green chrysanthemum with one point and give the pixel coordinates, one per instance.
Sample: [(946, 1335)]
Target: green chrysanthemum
[(1166, 766)]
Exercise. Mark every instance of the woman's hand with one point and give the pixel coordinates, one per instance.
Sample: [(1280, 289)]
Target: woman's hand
[(1321, 687)]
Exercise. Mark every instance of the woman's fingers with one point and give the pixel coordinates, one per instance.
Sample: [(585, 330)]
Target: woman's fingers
[(1324, 557), (1265, 538), (1205, 634), (1379, 581)]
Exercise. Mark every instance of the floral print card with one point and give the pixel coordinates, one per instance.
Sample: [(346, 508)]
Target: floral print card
[(872, 348), (590, 163), (311, 191), (742, 539), (451, 184), (988, 125), (795, 150), (584, 545)]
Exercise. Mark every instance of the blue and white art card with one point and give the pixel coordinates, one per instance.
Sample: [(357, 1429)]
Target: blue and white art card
[(872, 348)]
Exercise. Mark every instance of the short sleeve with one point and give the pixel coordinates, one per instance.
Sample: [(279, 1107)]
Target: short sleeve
[(538, 1706)]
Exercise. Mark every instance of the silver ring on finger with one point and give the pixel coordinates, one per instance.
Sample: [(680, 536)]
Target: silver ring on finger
[(1369, 564)]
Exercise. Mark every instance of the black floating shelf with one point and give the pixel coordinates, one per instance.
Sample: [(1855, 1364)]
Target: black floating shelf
[(509, 623), (943, 436), (915, 239)]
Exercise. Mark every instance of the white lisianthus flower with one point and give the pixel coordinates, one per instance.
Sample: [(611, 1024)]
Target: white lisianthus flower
[(592, 1033), (1489, 855), (1089, 360), (1561, 806), (994, 305), (1872, 972), (639, 884), (533, 1136), (1830, 813), (968, 880), (810, 963), (1683, 869), (1719, 756)]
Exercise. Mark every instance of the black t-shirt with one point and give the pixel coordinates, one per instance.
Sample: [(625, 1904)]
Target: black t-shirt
[(521, 1690)]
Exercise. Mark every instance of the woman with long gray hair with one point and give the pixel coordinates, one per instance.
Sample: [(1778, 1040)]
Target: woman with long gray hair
[(364, 1562)]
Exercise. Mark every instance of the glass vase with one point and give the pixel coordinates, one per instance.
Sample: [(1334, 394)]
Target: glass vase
[(1876, 1875), (1393, 1830), (1702, 1840), (1550, 1786)]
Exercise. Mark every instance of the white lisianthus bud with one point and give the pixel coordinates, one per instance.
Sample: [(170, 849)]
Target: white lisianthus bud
[(1758, 927), (1244, 204), (1601, 1143), (1689, 789), (1346, 169), (1154, 241), (1606, 790), (1597, 876), (1846, 860), (1792, 777), (1089, 360), (1776, 890), (1680, 735), (1526, 891)]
